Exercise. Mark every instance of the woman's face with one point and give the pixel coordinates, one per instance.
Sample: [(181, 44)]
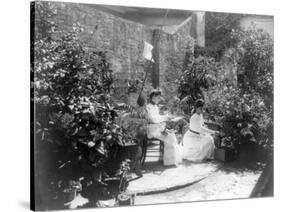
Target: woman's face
[(156, 99), (199, 110)]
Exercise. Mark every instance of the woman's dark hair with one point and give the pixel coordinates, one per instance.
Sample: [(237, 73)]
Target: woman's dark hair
[(199, 103), (154, 93)]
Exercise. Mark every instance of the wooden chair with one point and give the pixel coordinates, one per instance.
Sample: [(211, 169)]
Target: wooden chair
[(146, 143)]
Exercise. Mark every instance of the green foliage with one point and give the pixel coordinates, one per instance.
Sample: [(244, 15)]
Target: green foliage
[(245, 112), (43, 17), (122, 88), (244, 117), (200, 74), (219, 27), (254, 59), (76, 130), (74, 87)]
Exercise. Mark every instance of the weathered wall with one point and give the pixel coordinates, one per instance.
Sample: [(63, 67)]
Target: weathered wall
[(123, 40)]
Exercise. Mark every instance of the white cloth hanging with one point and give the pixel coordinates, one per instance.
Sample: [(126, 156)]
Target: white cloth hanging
[(147, 51)]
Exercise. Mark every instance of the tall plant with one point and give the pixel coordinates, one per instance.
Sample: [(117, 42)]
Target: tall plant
[(200, 74), (246, 111), (254, 60), (243, 116), (219, 27), (76, 132)]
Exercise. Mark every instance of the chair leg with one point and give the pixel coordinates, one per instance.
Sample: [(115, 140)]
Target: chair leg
[(144, 153), (143, 158), (144, 149), (161, 150)]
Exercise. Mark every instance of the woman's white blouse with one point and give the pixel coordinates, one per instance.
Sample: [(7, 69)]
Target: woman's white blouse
[(156, 121), (153, 114), (197, 124)]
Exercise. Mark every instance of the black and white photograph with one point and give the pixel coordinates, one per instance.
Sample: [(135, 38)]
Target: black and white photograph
[(134, 106)]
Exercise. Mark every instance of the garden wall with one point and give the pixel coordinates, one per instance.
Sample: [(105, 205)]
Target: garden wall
[(123, 40)]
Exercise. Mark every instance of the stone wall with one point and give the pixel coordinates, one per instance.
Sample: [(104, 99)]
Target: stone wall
[(123, 41)]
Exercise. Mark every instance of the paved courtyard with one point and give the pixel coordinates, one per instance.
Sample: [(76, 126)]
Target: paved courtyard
[(217, 186), (194, 181), (157, 178)]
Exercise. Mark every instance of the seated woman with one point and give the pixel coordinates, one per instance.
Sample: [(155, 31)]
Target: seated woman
[(198, 144), (157, 129)]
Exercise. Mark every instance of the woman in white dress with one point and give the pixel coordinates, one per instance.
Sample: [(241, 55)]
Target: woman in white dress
[(198, 143), (156, 128)]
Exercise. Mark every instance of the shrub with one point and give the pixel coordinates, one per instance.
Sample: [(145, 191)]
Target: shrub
[(244, 117), (218, 31), (244, 112), (200, 74), (254, 61), (76, 131)]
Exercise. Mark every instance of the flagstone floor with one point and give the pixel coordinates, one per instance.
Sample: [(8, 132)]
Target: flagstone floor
[(158, 178), (218, 186), (193, 181)]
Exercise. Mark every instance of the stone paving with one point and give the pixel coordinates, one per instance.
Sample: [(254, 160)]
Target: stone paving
[(218, 186), (157, 178), (193, 181)]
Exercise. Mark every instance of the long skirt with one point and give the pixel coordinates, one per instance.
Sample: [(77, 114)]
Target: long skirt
[(172, 150), (196, 147)]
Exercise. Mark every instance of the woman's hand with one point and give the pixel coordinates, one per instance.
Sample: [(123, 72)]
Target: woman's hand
[(168, 117), (215, 133)]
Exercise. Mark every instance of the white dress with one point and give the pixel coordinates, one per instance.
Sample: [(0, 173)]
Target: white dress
[(197, 147), (155, 128)]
